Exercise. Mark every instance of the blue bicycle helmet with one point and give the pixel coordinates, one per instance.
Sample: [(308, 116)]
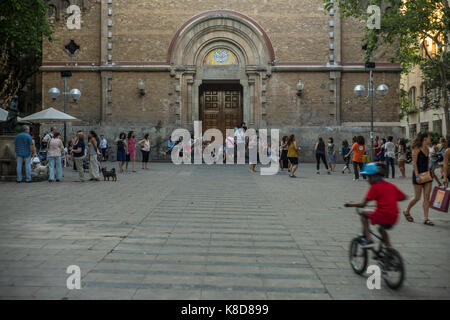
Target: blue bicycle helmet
[(370, 169)]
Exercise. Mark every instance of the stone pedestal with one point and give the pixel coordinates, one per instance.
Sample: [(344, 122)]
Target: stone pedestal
[(7, 159)]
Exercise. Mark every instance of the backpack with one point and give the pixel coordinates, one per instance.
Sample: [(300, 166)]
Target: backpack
[(44, 143)]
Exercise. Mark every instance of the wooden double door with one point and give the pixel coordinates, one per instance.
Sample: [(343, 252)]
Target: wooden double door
[(221, 106)]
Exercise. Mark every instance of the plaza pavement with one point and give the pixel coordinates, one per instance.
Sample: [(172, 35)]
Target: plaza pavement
[(205, 232)]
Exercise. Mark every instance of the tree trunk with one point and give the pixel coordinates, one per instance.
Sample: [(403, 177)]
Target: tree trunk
[(446, 113), (445, 96)]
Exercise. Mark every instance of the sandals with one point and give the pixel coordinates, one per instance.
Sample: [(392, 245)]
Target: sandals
[(408, 217), (428, 222)]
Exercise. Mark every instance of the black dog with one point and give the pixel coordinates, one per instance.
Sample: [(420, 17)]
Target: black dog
[(108, 174)]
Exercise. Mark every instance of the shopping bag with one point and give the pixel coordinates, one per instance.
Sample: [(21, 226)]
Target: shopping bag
[(440, 199)]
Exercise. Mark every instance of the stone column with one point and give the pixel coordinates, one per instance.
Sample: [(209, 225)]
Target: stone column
[(195, 101), (337, 61), (251, 105), (245, 100), (104, 76)]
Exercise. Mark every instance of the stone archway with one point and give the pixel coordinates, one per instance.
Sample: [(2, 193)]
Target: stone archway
[(229, 31)]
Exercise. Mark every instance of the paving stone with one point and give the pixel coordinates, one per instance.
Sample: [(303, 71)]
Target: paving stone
[(226, 234)]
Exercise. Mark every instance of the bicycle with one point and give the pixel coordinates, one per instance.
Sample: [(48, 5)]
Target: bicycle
[(389, 260)]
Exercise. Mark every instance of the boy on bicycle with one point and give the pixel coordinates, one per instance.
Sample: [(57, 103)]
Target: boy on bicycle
[(386, 195)]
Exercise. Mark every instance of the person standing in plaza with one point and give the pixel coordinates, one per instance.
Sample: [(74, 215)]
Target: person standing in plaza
[(145, 149), (47, 137), (344, 151), (252, 152), (446, 164), (434, 159), (293, 154), (121, 150), (68, 153), (331, 154), (55, 151), (401, 157), (131, 150), (382, 156), (389, 156), (103, 146), (358, 150), (229, 142), (441, 153), (421, 178), (170, 145), (283, 153), (240, 141), (376, 149), (24, 149), (94, 166), (319, 151), (78, 153)]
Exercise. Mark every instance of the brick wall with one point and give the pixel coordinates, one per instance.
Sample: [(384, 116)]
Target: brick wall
[(284, 108), (158, 105), (386, 110), (88, 107), (88, 37)]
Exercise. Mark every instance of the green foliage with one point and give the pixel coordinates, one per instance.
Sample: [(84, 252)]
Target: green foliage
[(23, 25), (404, 27), (406, 105), (434, 137), (432, 73)]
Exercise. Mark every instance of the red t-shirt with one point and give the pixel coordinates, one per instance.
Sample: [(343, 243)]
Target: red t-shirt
[(386, 195)]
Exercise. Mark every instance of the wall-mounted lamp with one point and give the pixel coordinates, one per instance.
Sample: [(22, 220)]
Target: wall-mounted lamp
[(300, 87), (141, 87)]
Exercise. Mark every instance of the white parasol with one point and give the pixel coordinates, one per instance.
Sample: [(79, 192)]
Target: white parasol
[(49, 115)]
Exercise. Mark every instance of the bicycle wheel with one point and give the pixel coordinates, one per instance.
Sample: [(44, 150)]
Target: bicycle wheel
[(393, 269), (358, 256)]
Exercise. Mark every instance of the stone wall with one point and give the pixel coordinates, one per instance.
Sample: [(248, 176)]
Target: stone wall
[(88, 108), (354, 110)]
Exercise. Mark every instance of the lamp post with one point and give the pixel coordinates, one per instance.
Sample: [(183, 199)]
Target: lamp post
[(74, 93), (379, 93)]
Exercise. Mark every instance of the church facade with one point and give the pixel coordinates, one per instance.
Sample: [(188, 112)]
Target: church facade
[(157, 65)]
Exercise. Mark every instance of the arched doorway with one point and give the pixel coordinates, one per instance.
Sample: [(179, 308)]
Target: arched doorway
[(228, 52)]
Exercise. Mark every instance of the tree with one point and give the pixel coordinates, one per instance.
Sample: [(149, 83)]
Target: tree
[(405, 26), (23, 25)]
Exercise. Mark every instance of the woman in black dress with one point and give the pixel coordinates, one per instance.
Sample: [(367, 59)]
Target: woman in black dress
[(284, 152), (420, 164), (319, 151)]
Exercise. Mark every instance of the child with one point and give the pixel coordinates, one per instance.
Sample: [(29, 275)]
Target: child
[(345, 150), (386, 195), (331, 154)]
